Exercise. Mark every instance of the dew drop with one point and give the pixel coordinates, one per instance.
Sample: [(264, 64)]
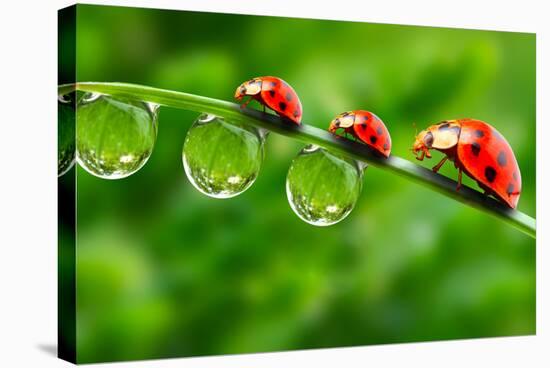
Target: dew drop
[(115, 136), (65, 133), (222, 159), (322, 188)]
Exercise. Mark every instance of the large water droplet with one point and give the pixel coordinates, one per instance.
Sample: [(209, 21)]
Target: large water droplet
[(222, 159), (322, 188), (115, 136), (65, 132)]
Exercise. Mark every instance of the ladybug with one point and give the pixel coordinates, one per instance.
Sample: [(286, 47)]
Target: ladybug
[(274, 93), (477, 149), (366, 127)]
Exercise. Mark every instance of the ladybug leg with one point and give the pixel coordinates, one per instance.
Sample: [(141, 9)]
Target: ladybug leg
[(438, 166), (428, 154), (247, 102), (425, 153), (459, 185), (263, 108)]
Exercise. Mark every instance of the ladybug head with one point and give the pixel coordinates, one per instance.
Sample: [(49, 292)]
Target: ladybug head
[(344, 121), (334, 126), (422, 144), (248, 88), (442, 136)]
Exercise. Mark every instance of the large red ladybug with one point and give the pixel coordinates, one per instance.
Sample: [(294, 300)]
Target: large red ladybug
[(274, 93), (479, 150), (366, 127)]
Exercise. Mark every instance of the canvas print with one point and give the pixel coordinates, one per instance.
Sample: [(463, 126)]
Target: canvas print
[(233, 184)]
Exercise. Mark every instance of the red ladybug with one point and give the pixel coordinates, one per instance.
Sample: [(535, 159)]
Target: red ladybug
[(274, 93), (479, 150), (366, 127)]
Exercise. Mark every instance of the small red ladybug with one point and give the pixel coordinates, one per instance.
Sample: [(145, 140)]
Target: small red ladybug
[(366, 127), (274, 93), (479, 150)]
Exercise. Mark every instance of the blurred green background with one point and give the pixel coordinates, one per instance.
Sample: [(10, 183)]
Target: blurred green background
[(164, 271)]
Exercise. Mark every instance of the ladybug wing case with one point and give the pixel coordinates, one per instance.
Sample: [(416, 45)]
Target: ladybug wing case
[(371, 130), (280, 97), (489, 159)]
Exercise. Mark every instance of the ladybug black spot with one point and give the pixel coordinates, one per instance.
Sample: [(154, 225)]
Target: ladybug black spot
[(373, 139), (363, 126), (479, 133), (475, 148), (386, 147), (282, 106), (490, 174), (273, 84), (272, 93), (510, 188), (379, 130), (501, 158), (288, 96), (296, 113)]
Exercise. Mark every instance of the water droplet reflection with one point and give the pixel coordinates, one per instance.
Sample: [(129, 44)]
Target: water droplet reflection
[(322, 188), (66, 140), (115, 136), (222, 159)]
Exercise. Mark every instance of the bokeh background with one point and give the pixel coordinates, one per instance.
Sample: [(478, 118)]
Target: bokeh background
[(164, 271)]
